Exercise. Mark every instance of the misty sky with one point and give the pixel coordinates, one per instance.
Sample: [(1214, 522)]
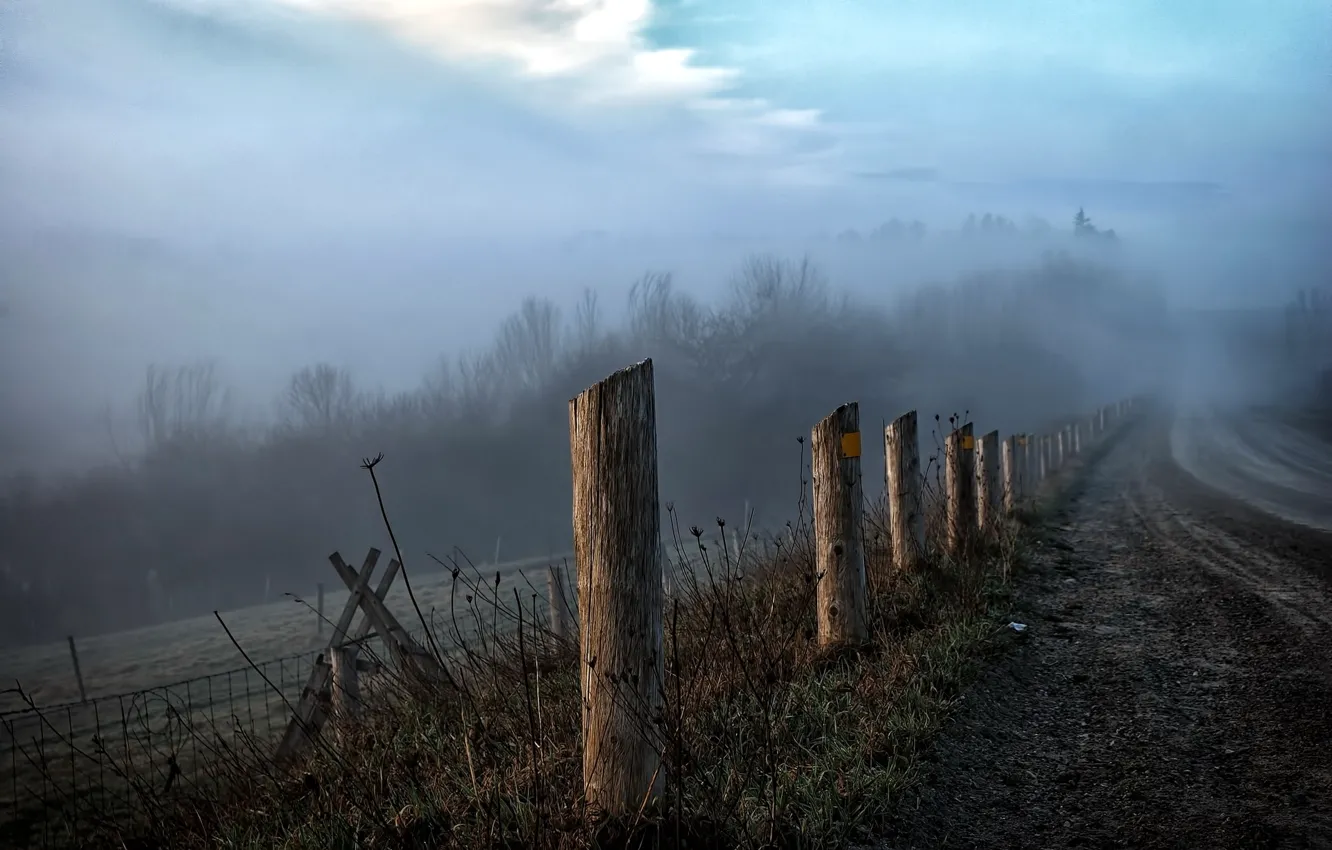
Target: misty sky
[(482, 117), (246, 139)]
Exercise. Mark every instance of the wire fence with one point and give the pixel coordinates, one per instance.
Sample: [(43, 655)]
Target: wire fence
[(69, 766)]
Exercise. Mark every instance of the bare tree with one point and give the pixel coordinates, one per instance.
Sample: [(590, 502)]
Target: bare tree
[(182, 403), (319, 397), (479, 386), (527, 348), (587, 323)]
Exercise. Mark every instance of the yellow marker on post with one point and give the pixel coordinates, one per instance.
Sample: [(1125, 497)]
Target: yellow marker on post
[(851, 444), (968, 442)]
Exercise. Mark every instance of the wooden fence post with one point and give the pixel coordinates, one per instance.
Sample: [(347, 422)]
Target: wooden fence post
[(78, 673), (1060, 450), (1077, 438), (346, 688), (906, 515), (840, 554), (617, 546), (1022, 460), (988, 496), (557, 594), (1101, 417), (319, 611), (1044, 456), (1011, 465), (960, 480)]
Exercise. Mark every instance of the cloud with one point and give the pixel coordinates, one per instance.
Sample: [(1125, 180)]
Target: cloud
[(597, 44)]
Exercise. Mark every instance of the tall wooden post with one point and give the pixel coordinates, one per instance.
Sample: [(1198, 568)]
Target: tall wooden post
[(835, 470), (1011, 471), (1077, 437), (1045, 456), (906, 514), (960, 479), (988, 495), (319, 610), (1060, 450), (617, 546)]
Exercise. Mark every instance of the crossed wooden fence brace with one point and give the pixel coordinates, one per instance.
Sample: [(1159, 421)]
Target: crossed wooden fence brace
[(313, 708)]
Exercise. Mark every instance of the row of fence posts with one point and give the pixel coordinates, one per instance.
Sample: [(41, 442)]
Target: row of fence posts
[(620, 556)]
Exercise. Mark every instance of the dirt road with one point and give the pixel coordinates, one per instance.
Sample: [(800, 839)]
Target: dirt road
[(1173, 689), (1277, 463)]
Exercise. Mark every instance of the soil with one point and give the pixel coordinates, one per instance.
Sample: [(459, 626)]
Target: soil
[(1173, 688)]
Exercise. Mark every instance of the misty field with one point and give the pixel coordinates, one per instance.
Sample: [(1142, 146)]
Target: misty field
[(164, 654), (166, 700), (179, 701)]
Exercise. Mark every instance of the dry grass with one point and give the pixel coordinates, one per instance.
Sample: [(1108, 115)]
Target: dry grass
[(767, 741)]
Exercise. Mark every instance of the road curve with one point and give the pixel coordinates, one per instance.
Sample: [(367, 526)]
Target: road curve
[(1278, 463)]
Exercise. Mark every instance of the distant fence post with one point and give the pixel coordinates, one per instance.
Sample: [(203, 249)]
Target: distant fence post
[(1045, 456), (319, 610), (557, 593), (78, 673), (960, 480), (906, 516), (1076, 428), (987, 482), (1101, 417), (840, 554), (1022, 460), (1011, 465), (617, 546), (1060, 450)]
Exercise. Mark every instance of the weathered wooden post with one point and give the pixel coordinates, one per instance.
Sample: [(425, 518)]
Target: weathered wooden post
[(840, 554), (319, 610), (557, 594), (1011, 463), (346, 687), (1022, 460), (1076, 428), (960, 480), (1029, 466), (78, 673), (988, 495), (906, 515), (1060, 450), (1043, 455), (617, 546), (1101, 417)]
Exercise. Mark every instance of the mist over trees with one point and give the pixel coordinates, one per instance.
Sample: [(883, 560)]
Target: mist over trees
[(215, 503)]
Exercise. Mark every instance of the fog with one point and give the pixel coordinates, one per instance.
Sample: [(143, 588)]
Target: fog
[(454, 217)]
